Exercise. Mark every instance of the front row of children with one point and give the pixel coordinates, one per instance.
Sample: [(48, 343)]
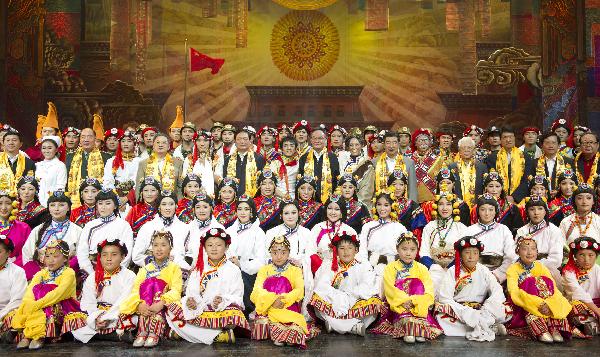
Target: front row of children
[(115, 303)]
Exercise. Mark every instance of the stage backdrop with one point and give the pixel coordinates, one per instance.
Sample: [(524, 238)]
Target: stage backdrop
[(400, 69)]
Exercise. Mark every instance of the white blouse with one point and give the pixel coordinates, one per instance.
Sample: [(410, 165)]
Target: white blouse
[(127, 173), (143, 241), (572, 231), (249, 245), (549, 240), (498, 241), (585, 291), (380, 239), (14, 284), (302, 244), (70, 235), (51, 176), (193, 244), (95, 232), (322, 237)]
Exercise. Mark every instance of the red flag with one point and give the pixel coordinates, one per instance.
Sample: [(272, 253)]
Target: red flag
[(200, 61)]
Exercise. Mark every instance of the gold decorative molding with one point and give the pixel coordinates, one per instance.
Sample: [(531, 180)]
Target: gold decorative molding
[(507, 67), (305, 4)]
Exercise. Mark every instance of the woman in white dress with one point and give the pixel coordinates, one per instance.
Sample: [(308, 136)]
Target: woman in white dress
[(439, 235), (248, 249), (106, 227), (584, 222), (200, 162), (499, 246), (123, 166), (471, 301), (51, 173), (165, 220)]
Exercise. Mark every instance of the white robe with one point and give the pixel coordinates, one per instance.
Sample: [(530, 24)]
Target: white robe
[(51, 176), (90, 238), (453, 232), (228, 284), (499, 242), (205, 172), (323, 248), (193, 244), (550, 240), (71, 236), (143, 241), (14, 284), (114, 292), (359, 284), (127, 173), (593, 231), (484, 289), (586, 291), (249, 246)]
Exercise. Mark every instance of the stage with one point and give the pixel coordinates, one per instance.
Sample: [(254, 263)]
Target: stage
[(327, 345)]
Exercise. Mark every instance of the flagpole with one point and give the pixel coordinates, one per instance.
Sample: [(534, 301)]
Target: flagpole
[(185, 83)]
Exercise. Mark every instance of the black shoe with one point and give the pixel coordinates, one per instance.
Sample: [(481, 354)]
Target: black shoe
[(8, 337)]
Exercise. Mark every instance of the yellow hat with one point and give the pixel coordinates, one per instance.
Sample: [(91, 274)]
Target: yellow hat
[(40, 124), (98, 127), (51, 117), (178, 122)]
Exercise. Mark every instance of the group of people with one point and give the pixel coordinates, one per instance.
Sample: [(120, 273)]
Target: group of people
[(282, 233)]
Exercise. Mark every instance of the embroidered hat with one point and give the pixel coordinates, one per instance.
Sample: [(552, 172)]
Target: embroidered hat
[(459, 245), (335, 242)]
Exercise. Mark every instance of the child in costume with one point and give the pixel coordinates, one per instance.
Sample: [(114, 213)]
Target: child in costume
[(409, 293), (213, 303), (49, 308), (581, 281), (104, 291), (14, 283), (471, 301), (156, 289), (16, 231), (277, 294), (202, 222), (539, 309), (345, 293)]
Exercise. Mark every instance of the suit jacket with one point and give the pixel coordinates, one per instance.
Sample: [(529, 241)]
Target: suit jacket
[(178, 165), (521, 191), (579, 168), (552, 176), (29, 167), (480, 169), (318, 170), (240, 170), (413, 193)]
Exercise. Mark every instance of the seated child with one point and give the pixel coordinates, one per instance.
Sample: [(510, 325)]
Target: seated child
[(213, 302), (539, 309), (49, 308), (14, 283), (157, 287), (104, 292), (345, 294), (409, 292), (471, 301), (581, 281)]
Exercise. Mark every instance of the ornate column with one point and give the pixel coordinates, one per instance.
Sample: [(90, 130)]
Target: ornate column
[(377, 15), (119, 40), (467, 45), (240, 10)]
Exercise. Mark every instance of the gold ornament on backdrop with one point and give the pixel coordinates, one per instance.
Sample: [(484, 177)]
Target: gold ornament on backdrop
[(305, 4), (304, 45)]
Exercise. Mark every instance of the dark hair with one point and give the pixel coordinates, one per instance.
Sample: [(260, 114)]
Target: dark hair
[(105, 195), (250, 202), (507, 129), (116, 243), (584, 188), (547, 135), (8, 244), (301, 181), (350, 137), (341, 202), (12, 132), (291, 139), (390, 134), (590, 133), (534, 202), (159, 134), (85, 183), (385, 195), (285, 203), (190, 178), (486, 199), (242, 132)]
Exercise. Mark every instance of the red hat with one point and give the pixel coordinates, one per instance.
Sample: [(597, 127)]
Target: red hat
[(417, 133), (150, 128), (71, 129), (471, 128), (577, 245), (337, 239), (338, 128), (302, 124), (118, 161), (200, 133), (531, 128), (117, 133), (561, 123)]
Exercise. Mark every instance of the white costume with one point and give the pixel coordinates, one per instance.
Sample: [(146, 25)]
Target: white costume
[(550, 242), (323, 233), (96, 232), (437, 248), (204, 170), (65, 231), (105, 305), (292, 173), (586, 291), (193, 244), (249, 244), (226, 282), (480, 287), (14, 284), (498, 244), (572, 231), (357, 283), (127, 173), (143, 241), (51, 176)]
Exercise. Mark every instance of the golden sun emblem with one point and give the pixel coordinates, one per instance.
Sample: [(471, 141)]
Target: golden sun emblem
[(304, 45)]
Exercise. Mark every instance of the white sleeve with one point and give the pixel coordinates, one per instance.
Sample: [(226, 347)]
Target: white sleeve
[(232, 288), (127, 238), (555, 255), (29, 247), (496, 299), (83, 251), (509, 255), (17, 290), (425, 250), (128, 281), (108, 179), (363, 250), (573, 290), (142, 242), (365, 279), (259, 257), (89, 301)]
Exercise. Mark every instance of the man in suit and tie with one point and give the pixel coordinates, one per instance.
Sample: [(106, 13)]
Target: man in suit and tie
[(551, 163), (243, 164), (468, 172)]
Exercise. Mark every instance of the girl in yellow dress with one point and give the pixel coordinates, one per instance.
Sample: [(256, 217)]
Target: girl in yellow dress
[(409, 292), (277, 294), (157, 287), (49, 308), (539, 309)]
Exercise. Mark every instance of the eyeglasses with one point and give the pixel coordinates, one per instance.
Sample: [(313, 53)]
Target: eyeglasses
[(588, 143)]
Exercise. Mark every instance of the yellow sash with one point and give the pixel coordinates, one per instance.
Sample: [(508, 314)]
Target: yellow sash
[(517, 166), (594, 169), (165, 174), (95, 169), (382, 174), (8, 180), (326, 177), (251, 171), (466, 171)]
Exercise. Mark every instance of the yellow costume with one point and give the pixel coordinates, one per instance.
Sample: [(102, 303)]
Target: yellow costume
[(396, 297), (30, 316)]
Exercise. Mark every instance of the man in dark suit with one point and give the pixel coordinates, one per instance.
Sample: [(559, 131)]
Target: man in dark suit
[(13, 163), (318, 140), (551, 163), (587, 159), (463, 172), (515, 187), (243, 148)]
